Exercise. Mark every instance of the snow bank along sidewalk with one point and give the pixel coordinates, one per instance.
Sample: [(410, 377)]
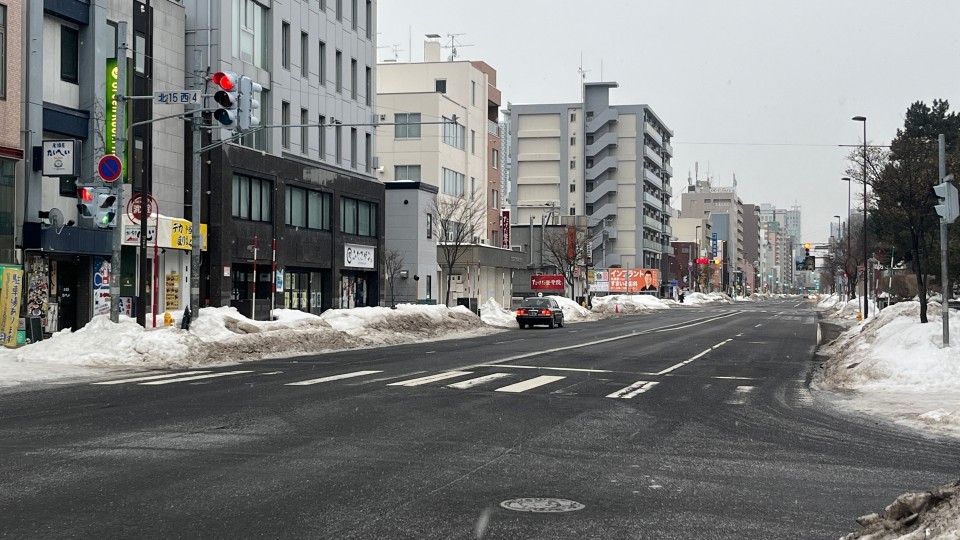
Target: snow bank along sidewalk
[(893, 366), (929, 515), (223, 336)]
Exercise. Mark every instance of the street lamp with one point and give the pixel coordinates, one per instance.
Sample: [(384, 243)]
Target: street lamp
[(865, 291), (849, 182), (696, 285), (836, 248)]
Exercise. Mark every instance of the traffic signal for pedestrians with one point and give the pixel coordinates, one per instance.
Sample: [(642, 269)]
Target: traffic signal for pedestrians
[(106, 207), (226, 97), (86, 207), (950, 209), (245, 118)]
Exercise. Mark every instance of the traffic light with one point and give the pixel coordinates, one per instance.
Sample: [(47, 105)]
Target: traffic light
[(85, 204), (716, 261), (106, 207), (226, 97), (950, 208), (245, 118)]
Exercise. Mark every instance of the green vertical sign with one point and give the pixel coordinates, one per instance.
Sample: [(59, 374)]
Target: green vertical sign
[(110, 118)]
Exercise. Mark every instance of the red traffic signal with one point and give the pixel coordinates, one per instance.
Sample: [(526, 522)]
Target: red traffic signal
[(85, 194), (226, 80)]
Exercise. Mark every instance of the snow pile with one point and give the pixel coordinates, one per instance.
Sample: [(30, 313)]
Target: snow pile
[(929, 515), (572, 311), (222, 336), (707, 299), (492, 313), (627, 303), (898, 367)]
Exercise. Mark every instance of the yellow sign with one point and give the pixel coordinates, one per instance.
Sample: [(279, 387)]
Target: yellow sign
[(181, 234), (10, 305)]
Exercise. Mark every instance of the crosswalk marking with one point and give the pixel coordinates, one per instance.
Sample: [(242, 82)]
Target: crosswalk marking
[(470, 383), (333, 378), (431, 378), (196, 377), (152, 377), (740, 397), (633, 390), (523, 386)]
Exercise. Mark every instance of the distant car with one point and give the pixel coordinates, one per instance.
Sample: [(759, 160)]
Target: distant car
[(539, 310)]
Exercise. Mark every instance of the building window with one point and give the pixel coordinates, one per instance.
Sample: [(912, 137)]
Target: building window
[(407, 126), (304, 131), (453, 183), (3, 51), (252, 198), (285, 121), (353, 79), (495, 159), (473, 92), (353, 148), (429, 225), (369, 88), (407, 172), (353, 14), (573, 141), (339, 74), (573, 211), (285, 45), (307, 208), (473, 142), (358, 217), (250, 32), (441, 86), (368, 152), (323, 5), (573, 164), (323, 137), (573, 117), (339, 11), (495, 199), (453, 133), (304, 55), (140, 53), (573, 188), (369, 14), (323, 63), (338, 144), (69, 55), (589, 139)]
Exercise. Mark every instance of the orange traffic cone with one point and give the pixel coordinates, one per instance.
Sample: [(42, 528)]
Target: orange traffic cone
[(616, 308)]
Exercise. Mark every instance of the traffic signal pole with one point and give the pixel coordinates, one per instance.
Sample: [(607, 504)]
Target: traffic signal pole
[(196, 242), (945, 290), (121, 151)]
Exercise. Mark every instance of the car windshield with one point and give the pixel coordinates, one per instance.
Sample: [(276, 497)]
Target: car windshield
[(537, 302)]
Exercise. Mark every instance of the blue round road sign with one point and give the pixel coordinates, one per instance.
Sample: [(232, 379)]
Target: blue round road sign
[(109, 168)]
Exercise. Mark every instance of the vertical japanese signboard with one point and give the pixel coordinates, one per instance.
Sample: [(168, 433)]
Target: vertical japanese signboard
[(11, 288)]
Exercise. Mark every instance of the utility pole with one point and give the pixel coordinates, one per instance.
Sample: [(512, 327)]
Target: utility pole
[(196, 242), (945, 289), (121, 144)]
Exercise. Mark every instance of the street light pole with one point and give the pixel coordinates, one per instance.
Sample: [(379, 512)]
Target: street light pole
[(837, 247), (697, 232), (866, 296), (849, 182)]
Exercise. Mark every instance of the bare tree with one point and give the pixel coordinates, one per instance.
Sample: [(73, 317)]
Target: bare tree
[(392, 264), (456, 222), (566, 249)]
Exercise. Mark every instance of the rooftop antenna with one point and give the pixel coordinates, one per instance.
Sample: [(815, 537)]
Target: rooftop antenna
[(396, 52), (452, 45)]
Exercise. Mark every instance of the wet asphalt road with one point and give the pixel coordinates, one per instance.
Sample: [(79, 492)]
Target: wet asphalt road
[(690, 423)]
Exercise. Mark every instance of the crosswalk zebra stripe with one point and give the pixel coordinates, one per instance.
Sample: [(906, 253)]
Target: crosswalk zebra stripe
[(152, 377), (431, 378), (469, 383), (333, 378), (196, 377), (633, 390), (523, 386)]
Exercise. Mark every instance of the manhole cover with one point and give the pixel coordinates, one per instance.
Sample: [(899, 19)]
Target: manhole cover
[(542, 505)]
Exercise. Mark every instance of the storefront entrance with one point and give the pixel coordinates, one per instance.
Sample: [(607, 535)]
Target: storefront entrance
[(303, 290)]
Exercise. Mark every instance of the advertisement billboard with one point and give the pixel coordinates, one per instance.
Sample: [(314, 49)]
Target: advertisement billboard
[(547, 282)]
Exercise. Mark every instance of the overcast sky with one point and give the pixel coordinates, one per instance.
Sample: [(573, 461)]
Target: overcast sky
[(764, 89)]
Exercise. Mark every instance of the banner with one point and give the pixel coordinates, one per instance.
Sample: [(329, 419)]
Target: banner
[(622, 280), (547, 282), (10, 292)]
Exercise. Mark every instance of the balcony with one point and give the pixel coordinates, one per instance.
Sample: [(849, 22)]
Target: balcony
[(651, 177), (653, 133), (667, 149), (668, 169), (605, 141), (667, 230), (652, 156), (652, 200), (668, 251), (652, 223), (605, 187), (606, 116), (493, 128), (600, 167)]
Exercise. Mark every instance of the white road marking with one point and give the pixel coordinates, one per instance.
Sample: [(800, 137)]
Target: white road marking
[(333, 378), (735, 378), (687, 361), (509, 341), (429, 352), (390, 378), (523, 386), (152, 377), (759, 325), (515, 366), (740, 397), (667, 328), (633, 390), (431, 378), (198, 377), (469, 383)]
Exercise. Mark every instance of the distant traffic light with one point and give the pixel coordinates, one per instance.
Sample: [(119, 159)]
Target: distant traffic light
[(86, 207), (245, 118), (950, 209), (716, 261), (106, 207), (226, 97)]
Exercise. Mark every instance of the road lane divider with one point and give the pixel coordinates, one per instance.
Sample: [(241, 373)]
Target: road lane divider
[(691, 359), (197, 377), (333, 378), (153, 377)]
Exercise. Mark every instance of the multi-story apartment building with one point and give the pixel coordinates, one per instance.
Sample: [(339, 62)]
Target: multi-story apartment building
[(788, 237), (11, 144), (441, 131), (306, 179), (68, 109), (751, 247), (608, 162), (724, 207)]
